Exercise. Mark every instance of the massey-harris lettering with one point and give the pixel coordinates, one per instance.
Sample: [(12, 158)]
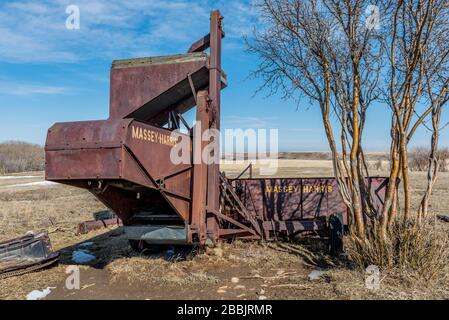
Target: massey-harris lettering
[(152, 136), (293, 189), (317, 189)]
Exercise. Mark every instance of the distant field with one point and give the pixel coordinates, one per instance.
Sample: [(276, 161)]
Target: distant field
[(313, 155)]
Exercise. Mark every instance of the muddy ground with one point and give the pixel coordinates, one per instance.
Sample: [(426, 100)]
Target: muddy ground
[(232, 271)]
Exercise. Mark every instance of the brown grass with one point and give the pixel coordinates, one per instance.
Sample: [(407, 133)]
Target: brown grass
[(414, 252), (35, 208)]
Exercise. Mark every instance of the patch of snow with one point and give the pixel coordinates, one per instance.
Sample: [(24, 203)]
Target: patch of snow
[(19, 177), (86, 244), (316, 274), (31, 184), (37, 294), (82, 256)]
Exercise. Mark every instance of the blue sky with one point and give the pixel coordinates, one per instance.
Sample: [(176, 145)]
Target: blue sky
[(51, 74)]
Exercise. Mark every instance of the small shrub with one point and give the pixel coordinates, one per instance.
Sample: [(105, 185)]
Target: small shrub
[(443, 156), (419, 159), (417, 251), (376, 165)]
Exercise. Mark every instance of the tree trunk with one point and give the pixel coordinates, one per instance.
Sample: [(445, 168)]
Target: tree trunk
[(405, 177), (432, 170)]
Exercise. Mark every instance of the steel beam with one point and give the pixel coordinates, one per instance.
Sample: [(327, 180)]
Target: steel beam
[(213, 170), (199, 191)]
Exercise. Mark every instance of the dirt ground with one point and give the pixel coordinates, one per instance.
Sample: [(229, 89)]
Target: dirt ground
[(231, 271)]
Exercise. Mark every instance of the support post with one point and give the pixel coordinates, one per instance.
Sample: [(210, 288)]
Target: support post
[(213, 170), (199, 196)]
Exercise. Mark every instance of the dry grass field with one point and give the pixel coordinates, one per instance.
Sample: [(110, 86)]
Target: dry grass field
[(231, 271)]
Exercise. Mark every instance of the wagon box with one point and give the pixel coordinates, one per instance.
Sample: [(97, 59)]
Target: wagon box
[(293, 205)]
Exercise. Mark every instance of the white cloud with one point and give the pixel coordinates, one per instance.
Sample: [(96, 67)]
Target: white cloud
[(20, 89), (35, 32), (301, 129), (249, 122)]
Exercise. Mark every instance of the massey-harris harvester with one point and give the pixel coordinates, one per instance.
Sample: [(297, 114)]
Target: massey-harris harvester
[(125, 160)]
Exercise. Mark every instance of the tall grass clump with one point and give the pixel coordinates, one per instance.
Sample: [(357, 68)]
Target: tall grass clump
[(417, 251)]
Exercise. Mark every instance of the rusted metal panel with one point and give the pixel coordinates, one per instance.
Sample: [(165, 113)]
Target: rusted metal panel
[(378, 190), (152, 147), (96, 164), (320, 197), (85, 150), (26, 254), (85, 227), (134, 152), (291, 227), (297, 199), (85, 134), (147, 89)]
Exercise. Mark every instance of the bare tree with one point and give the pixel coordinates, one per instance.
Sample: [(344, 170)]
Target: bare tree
[(418, 56), (324, 51), (327, 52), (436, 71)]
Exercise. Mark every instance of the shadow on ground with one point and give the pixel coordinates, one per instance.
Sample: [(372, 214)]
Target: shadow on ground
[(113, 245)]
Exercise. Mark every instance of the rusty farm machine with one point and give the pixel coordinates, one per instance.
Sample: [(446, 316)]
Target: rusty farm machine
[(125, 161)]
